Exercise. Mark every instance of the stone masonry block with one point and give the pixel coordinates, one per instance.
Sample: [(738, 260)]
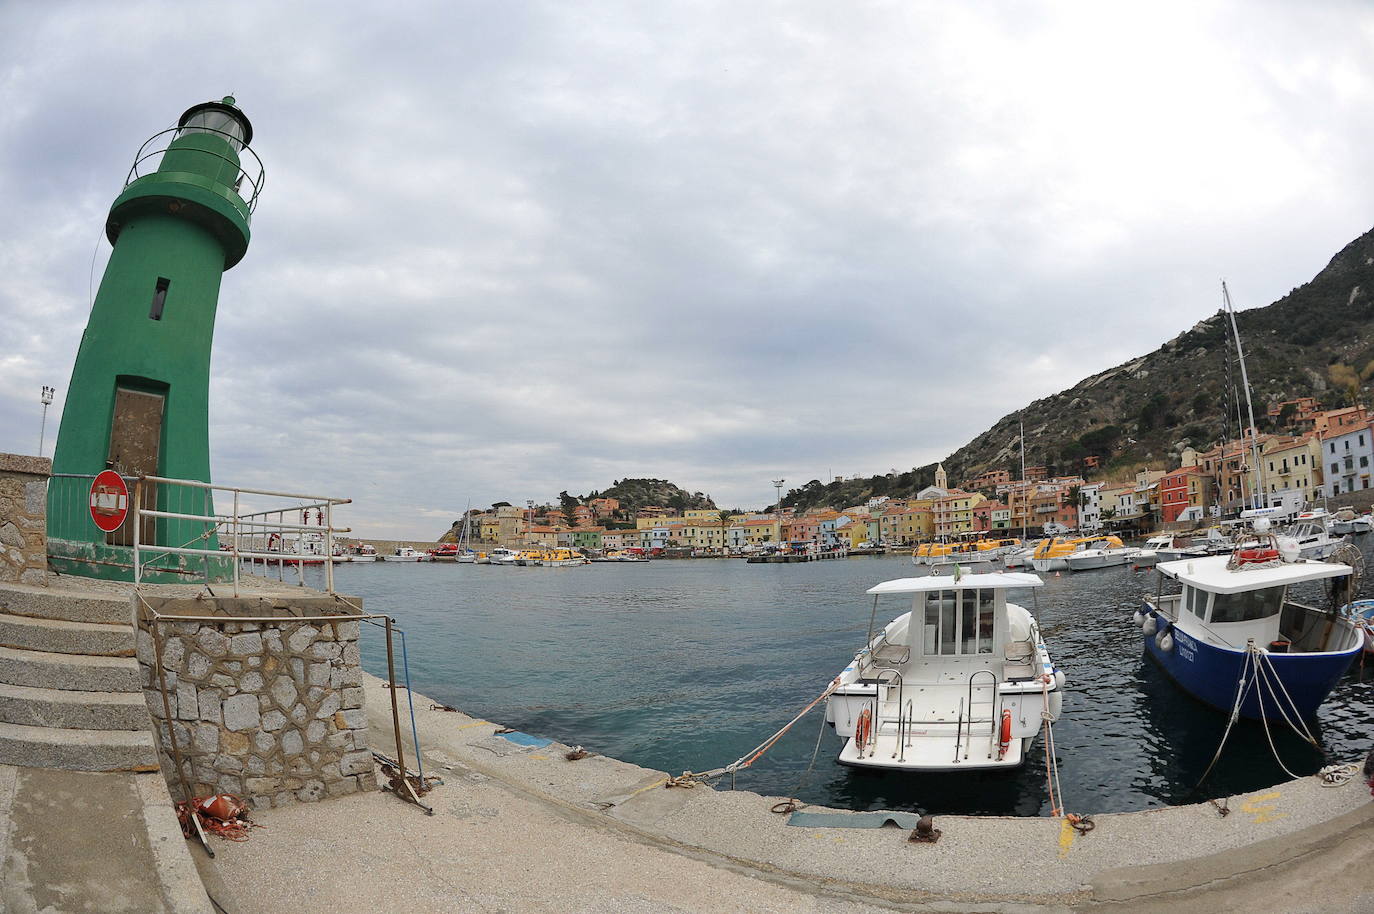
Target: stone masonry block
[(213, 642), (356, 763), (241, 712), (301, 638)]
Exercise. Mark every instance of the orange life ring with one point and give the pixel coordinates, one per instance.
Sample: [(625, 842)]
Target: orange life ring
[(1248, 556), (1005, 742), (863, 729)]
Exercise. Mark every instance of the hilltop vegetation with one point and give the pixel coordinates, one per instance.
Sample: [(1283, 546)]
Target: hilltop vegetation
[(844, 493), (1317, 341), (634, 494)]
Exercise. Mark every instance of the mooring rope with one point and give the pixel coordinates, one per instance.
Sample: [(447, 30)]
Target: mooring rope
[(692, 778)]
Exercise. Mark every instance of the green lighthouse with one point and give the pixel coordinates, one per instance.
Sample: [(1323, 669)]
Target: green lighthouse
[(138, 398)]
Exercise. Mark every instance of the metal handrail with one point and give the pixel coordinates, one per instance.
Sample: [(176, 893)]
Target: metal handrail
[(257, 183), (996, 707), (234, 525), (959, 730), (877, 697)]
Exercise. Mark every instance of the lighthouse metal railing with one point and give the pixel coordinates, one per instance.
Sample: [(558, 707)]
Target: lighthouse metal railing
[(270, 536), (146, 162)]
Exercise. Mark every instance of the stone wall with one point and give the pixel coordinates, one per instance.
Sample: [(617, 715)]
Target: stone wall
[(270, 711), (23, 518)]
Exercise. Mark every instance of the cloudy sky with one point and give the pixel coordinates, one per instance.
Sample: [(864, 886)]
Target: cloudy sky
[(510, 248)]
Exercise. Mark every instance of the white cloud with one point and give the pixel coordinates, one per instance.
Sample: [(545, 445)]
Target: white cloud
[(504, 251)]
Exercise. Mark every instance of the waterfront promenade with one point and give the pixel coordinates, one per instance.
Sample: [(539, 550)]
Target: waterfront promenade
[(523, 829)]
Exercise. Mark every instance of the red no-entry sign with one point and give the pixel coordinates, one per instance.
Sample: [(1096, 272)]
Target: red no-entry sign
[(109, 501)]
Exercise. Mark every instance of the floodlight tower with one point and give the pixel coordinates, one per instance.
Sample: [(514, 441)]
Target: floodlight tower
[(777, 484), (138, 398), (46, 400)]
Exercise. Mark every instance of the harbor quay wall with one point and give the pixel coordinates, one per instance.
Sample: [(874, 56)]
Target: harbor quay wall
[(23, 519), (270, 711)]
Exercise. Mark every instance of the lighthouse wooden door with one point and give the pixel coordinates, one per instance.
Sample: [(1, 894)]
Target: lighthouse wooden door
[(135, 444)]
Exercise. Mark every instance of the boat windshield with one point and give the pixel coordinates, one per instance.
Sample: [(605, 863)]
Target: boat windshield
[(959, 622), (1247, 605)]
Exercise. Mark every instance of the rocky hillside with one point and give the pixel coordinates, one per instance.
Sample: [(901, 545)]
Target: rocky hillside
[(1317, 341), (634, 494)]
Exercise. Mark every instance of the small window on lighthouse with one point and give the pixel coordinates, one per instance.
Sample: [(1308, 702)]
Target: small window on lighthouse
[(159, 298)]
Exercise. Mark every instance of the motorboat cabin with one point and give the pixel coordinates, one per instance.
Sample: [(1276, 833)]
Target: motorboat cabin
[(964, 686), (1236, 619)]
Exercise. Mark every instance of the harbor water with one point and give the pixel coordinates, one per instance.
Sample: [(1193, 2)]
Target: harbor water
[(688, 665)]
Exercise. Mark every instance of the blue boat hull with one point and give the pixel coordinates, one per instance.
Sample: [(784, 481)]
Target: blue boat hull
[(1210, 673)]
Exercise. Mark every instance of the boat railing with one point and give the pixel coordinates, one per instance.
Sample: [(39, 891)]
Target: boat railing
[(904, 724), (878, 697), (959, 730), (993, 704)]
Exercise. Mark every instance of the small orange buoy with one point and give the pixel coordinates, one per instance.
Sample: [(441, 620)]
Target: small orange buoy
[(863, 729), (1005, 742)]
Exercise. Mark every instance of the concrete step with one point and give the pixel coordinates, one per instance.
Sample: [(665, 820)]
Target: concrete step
[(44, 670), (43, 603), (77, 750), (58, 637), (73, 710)]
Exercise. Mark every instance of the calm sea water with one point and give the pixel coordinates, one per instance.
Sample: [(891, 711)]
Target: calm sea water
[(689, 664)]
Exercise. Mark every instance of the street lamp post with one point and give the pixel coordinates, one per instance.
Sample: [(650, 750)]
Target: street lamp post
[(777, 484), (43, 426)]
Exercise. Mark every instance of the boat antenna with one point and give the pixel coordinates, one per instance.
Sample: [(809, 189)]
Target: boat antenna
[(1258, 481)]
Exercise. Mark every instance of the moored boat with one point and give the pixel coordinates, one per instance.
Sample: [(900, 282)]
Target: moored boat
[(1102, 554), (1361, 613), (967, 685), (1235, 637), (405, 554), (1312, 531), (1053, 554)]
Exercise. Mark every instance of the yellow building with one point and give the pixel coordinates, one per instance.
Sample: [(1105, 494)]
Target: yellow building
[(953, 514), (1293, 464), (648, 523)]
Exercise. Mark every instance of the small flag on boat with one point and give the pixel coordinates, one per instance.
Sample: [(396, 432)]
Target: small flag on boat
[(958, 572)]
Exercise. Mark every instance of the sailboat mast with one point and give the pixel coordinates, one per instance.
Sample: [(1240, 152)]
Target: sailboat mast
[(1257, 484), (1025, 495)]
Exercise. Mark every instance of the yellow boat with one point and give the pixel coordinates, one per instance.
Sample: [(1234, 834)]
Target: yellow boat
[(1053, 553)]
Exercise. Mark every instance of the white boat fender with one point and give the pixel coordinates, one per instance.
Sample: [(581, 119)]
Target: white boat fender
[(1149, 626), (1138, 616), (1165, 641), (1059, 679)]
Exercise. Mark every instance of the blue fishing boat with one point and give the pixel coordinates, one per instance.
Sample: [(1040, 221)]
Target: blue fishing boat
[(1236, 637)]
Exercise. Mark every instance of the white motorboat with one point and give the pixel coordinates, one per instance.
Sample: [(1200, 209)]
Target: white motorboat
[(1020, 558), (959, 558), (1364, 523), (1194, 545), (1101, 554), (967, 686), (1312, 530), (502, 556), (1342, 522), (405, 554), (364, 552)]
